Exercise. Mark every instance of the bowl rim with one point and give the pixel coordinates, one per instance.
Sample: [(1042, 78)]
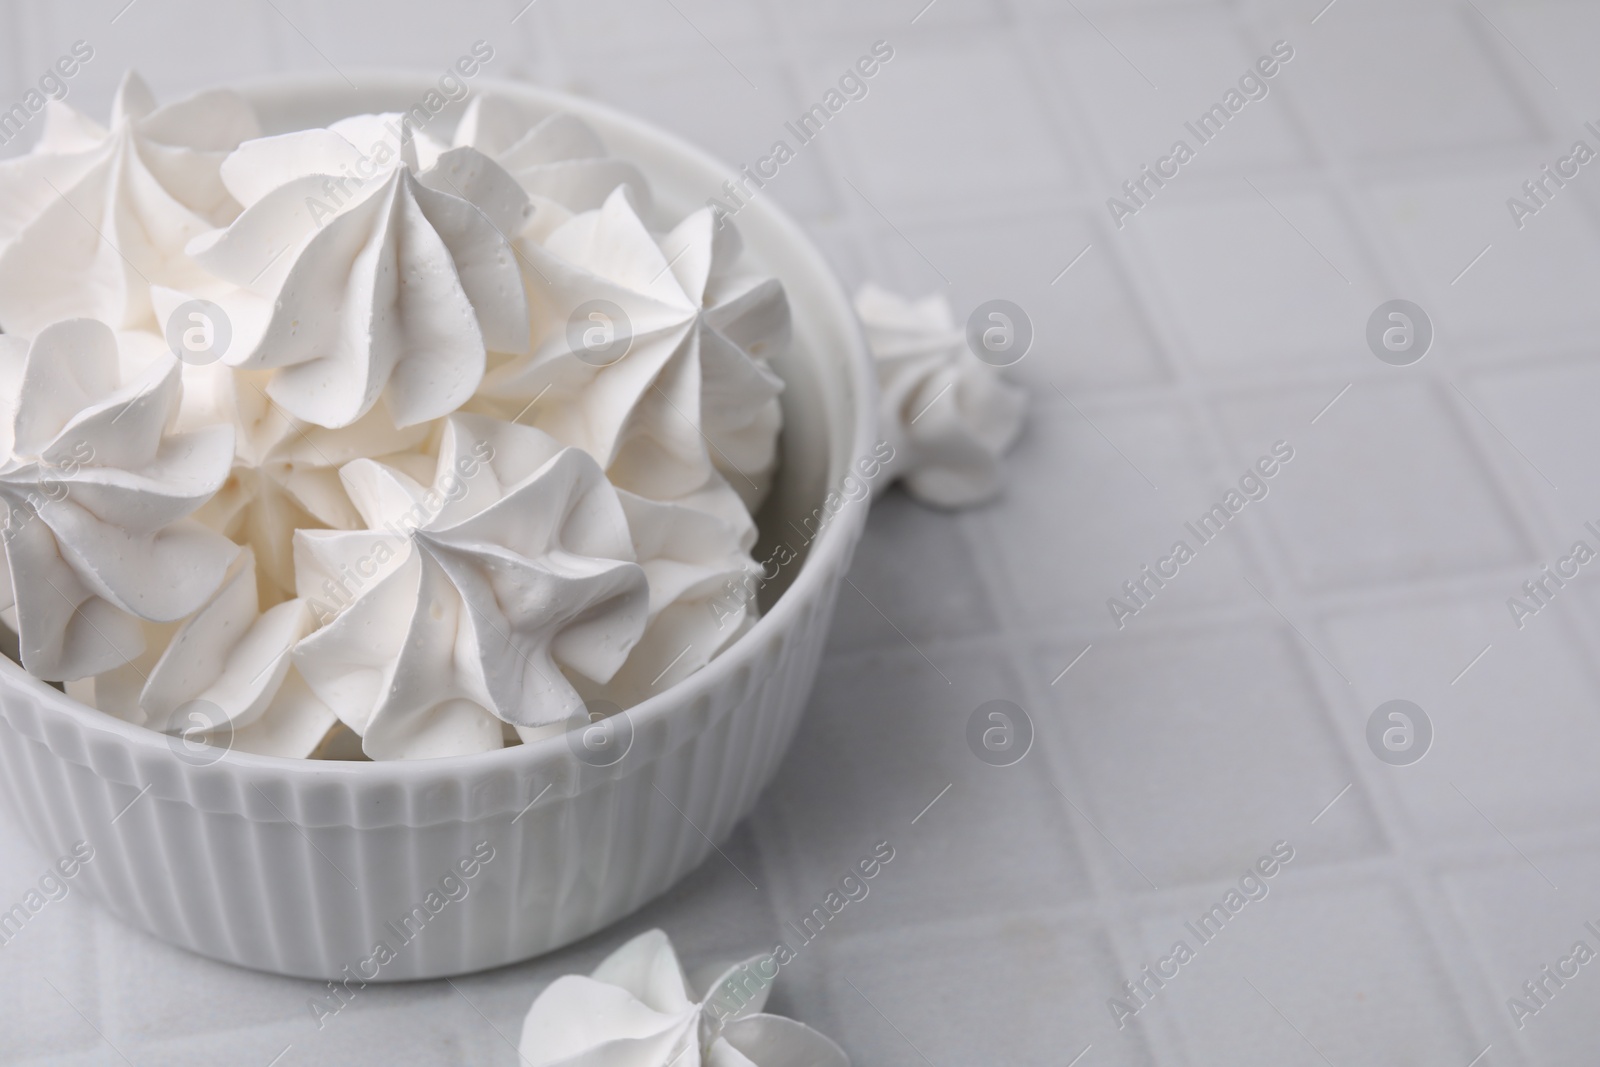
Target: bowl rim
[(827, 553)]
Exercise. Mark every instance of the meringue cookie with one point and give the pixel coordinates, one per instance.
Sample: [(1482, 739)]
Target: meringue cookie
[(295, 485), (744, 324), (97, 496), (224, 675), (692, 392), (460, 606), (363, 278), (285, 472), (639, 1009), (557, 159), (949, 415), (242, 654), (92, 217), (116, 691), (689, 556)]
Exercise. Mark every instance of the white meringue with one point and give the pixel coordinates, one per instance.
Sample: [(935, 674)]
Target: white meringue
[(556, 158), (223, 676), (689, 555), (365, 279), (333, 521), (639, 1009), (92, 217), (116, 691), (461, 606), (286, 472), (692, 393), (948, 415), (97, 497)]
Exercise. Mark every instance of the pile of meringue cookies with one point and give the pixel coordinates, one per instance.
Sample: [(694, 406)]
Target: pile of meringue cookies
[(318, 441)]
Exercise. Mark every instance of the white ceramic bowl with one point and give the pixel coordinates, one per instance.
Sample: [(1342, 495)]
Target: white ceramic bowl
[(301, 867)]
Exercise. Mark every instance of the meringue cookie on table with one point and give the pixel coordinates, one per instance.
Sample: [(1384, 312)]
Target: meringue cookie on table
[(462, 605), (97, 497), (692, 392), (639, 1009), (361, 278), (93, 216), (556, 158), (949, 415)]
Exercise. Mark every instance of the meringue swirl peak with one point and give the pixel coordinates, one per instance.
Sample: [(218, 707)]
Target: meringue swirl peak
[(95, 215), (462, 604), (364, 278)]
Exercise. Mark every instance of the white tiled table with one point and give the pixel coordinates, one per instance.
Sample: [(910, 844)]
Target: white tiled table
[(1230, 713)]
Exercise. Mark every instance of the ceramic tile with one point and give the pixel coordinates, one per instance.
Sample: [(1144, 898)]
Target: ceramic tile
[(1342, 976), (1193, 60), (1405, 79), (830, 19), (1191, 771), (1489, 772), (1540, 416), (1551, 38), (1267, 276), (1520, 930), (1062, 268), (1532, 276), (738, 124), (1384, 486), (693, 29), (972, 1009), (915, 558), (1096, 496), (885, 737), (942, 124), (48, 970)]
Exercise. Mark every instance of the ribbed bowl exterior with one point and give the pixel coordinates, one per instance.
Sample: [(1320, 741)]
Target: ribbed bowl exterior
[(302, 867), (300, 875)]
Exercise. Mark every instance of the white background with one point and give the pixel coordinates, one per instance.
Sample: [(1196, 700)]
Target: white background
[(1225, 717)]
